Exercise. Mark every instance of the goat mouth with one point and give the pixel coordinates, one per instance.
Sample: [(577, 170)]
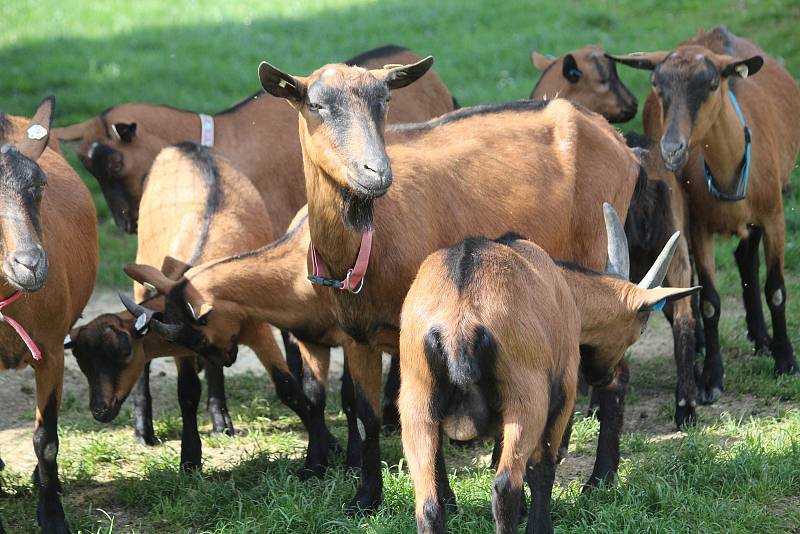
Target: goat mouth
[(108, 412), (368, 192), (623, 116)]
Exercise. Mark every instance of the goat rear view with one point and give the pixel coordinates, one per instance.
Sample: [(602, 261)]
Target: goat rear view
[(487, 337)]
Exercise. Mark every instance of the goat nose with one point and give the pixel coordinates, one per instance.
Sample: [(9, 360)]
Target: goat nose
[(379, 170), (671, 149), (29, 258)]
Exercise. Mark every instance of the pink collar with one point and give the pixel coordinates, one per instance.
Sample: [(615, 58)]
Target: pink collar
[(354, 280), (37, 354)]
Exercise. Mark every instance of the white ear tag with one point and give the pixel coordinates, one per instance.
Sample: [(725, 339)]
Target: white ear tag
[(191, 310), (742, 70), (283, 83), (141, 323), (36, 132)]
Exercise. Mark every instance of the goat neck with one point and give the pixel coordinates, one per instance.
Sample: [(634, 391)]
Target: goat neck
[(723, 145)]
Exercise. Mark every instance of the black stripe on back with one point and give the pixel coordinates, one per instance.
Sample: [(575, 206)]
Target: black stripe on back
[(465, 113), (203, 159)]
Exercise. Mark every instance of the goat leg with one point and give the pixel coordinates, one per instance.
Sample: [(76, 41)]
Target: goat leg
[(775, 289), (294, 359), (710, 380), (143, 409), (49, 380), (189, 390), (365, 368), (353, 455), (390, 415), (746, 255), (611, 410), (217, 404)]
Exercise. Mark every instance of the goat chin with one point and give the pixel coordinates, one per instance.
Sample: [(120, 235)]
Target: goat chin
[(468, 417)]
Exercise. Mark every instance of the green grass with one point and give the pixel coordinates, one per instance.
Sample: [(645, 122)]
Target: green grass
[(739, 471)]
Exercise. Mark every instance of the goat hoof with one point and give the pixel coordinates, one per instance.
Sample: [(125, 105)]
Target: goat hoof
[(597, 481), (710, 395), (685, 416), (191, 466), (148, 439), (221, 423), (306, 473), (364, 504), (786, 368), (761, 347)]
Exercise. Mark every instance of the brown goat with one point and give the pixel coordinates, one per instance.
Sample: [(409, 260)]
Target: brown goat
[(192, 206), (588, 77), (523, 166), (692, 111), (49, 246), (266, 284), (119, 145), (490, 340)]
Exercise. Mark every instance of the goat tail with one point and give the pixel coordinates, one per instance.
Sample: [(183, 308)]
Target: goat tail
[(474, 355)]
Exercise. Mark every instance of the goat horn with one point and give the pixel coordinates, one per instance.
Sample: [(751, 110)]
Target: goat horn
[(170, 332), (135, 309), (617, 262), (655, 276)]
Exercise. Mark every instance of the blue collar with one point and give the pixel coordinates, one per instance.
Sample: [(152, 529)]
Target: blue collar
[(744, 170)]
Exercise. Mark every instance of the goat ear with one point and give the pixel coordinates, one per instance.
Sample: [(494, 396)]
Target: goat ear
[(654, 299), (640, 60), (570, 69), (541, 62), (743, 67), (173, 268), (69, 339), (150, 277), (397, 77), (73, 132), (37, 134), (201, 312), (126, 131), (278, 83)]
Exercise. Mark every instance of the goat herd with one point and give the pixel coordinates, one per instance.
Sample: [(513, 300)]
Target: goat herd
[(383, 253)]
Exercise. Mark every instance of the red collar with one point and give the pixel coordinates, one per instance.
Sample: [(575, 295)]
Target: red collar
[(354, 280), (37, 354)]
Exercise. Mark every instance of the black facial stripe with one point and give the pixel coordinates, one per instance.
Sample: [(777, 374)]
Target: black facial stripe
[(22, 183)]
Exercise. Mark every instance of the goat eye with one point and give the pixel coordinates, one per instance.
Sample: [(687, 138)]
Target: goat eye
[(313, 106)]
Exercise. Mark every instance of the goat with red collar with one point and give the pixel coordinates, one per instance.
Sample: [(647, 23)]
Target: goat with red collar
[(49, 261)]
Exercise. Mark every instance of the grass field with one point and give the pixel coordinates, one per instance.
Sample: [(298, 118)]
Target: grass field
[(739, 471)]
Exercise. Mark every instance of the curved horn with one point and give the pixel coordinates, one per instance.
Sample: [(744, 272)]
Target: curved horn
[(135, 309), (170, 332), (617, 262), (658, 271)]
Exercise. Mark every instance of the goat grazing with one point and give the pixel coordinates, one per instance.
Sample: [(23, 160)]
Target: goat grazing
[(531, 167), (724, 114), (588, 77), (491, 336), (49, 246)]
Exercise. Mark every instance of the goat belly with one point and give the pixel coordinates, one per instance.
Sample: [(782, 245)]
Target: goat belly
[(468, 415)]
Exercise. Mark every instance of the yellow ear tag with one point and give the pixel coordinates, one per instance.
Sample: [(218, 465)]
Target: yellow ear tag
[(742, 70), (390, 66)]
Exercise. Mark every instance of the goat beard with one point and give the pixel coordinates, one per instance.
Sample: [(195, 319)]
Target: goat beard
[(357, 212)]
